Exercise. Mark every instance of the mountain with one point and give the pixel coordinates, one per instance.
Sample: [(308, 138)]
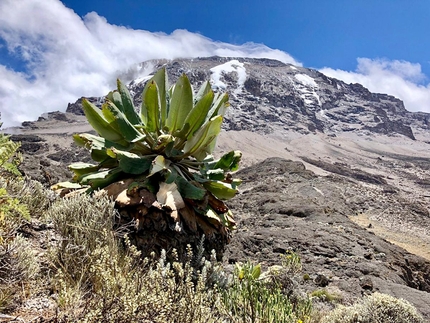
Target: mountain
[(337, 173), (268, 96)]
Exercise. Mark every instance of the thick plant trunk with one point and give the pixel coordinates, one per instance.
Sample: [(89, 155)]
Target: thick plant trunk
[(156, 230), (153, 227)]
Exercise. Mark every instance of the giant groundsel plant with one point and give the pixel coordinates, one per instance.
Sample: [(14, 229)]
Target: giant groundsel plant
[(165, 147)]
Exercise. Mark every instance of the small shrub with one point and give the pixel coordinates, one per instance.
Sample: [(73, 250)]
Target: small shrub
[(376, 308), (251, 298), (32, 194), (18, 263), (80, 222), (153, 291), (291, 262), (325, 295), (100, 278), (9, 158)]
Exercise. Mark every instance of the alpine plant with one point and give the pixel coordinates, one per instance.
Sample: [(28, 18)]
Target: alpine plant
[(164, 148)]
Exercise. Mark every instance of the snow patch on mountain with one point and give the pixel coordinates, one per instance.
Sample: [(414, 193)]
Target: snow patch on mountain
[(229, 67), (306, 88), (144, 72), (306, 80), (141, 79)]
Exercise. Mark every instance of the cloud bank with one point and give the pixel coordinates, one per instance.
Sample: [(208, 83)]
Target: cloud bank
[(65, 56), (402, 79)]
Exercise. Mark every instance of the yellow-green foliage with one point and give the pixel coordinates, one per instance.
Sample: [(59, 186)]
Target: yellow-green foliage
[(9, 158), (376, 308), (291, 262), (158, 292), (17, 259), (9, 205), (252, 298), (325, 295)]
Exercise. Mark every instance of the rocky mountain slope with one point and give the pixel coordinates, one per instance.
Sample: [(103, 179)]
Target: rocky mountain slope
[(358, 181), (269, 97)]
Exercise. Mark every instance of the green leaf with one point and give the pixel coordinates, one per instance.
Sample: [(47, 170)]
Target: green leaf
[(221, 190), (171, 175), (151, 105), (256, 271), (134, 166), (99, 155), (203, 137), (207, 150), (90, 141), (101, 179), (160, 78), (216, 174), (170, 150), (127, 103), (131, 163), (235, 183), (115, 97), (219, 106), (100, 124), (240, 271), (196, 117), (229, 161), (204, 89), (180, 105), (188, 190), (83, 168), (97, 145), (120, 123)]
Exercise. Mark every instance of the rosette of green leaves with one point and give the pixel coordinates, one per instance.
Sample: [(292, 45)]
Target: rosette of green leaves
[(168, 141)]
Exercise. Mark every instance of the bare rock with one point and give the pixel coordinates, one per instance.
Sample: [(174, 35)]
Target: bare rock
[(334, 250)]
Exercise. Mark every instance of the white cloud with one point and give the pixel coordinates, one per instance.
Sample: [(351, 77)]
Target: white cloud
[(68, 57), (402, 79)]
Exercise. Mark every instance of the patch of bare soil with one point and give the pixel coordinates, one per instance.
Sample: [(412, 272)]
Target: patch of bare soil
[(406, 240)]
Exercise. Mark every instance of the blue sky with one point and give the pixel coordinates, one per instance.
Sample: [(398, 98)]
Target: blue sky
[(318, 33), (52, 51)]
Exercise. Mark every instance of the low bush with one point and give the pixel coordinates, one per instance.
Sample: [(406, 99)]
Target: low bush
[(18, 264), (375, 308), (325, 295), (256, 297), (101, 278)]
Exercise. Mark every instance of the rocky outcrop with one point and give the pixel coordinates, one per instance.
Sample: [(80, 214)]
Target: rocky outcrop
[(76, 108), (46, 157), (282, 206)]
